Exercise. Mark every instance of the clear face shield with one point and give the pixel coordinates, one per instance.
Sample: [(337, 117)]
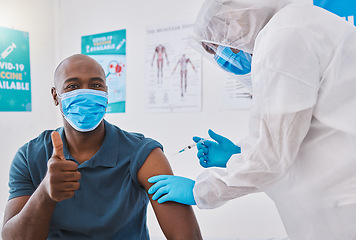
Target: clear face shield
[(234, 62), (223, 27)]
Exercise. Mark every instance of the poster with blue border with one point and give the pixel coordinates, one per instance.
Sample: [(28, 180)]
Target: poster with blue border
[(15, 74), (109, 50)]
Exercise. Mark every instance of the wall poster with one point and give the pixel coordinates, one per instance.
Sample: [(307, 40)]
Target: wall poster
[(172, 69), (15, 74), (109, 50), (234, 95)]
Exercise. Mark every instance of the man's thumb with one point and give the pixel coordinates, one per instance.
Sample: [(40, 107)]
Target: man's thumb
[(57, 145)]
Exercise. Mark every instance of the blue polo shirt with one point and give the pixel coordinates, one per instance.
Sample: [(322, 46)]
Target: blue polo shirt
[(110, 204)]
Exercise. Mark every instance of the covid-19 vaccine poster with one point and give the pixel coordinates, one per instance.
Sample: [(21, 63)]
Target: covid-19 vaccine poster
[(15, 74), (109, 50)]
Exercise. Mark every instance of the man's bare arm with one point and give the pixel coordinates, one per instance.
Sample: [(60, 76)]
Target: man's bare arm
[(177, 221), (28, 217)]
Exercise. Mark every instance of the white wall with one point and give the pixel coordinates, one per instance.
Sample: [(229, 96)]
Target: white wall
[(16, 128), (56, 28)]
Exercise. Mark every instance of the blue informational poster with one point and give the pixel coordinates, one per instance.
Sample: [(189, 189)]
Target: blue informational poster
[(343, 8), (15, 75), (109, 50)]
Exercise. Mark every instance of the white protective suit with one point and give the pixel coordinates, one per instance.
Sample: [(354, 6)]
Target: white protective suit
[(301, 146)]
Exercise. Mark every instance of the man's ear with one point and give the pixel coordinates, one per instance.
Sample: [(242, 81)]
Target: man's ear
[(54, 96)]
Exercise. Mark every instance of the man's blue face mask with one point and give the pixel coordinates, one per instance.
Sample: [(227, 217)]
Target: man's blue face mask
[(236, 63), (84, 109)]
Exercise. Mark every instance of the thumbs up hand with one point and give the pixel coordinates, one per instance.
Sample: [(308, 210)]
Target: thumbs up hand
[(62, 178)]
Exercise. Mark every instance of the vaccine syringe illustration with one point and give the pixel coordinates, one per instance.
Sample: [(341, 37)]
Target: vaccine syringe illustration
[(7, 51), (120, 44)]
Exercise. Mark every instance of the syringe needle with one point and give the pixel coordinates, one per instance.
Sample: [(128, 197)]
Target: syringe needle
[(190, 146)]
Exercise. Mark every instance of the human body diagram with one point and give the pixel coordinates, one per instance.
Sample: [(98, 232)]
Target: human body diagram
[(183, 62), (160, 50)]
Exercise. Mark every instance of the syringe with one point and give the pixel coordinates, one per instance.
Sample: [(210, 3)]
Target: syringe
[(191, 146), (7, 51)]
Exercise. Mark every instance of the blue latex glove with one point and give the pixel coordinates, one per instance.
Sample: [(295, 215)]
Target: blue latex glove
[(172, 188), (215, 153)]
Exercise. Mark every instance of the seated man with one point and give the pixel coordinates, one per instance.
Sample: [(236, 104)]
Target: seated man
[(88, 179)]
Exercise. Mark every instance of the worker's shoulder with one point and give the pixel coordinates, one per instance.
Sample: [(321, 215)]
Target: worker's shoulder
[(309, 23), (301, 14)]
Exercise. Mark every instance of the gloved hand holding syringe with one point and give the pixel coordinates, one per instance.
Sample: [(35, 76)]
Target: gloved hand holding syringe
[(215, 152)]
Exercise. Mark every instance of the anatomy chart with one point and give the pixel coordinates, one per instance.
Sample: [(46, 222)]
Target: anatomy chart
[(15, 74), (109, 50), (234, 95), (172, 70)]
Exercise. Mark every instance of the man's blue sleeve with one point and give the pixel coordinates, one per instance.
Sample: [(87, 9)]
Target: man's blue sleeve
[(20, 181), (140, 154)]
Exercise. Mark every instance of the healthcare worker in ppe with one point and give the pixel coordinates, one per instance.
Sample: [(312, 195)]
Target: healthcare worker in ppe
[(301, 145)]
